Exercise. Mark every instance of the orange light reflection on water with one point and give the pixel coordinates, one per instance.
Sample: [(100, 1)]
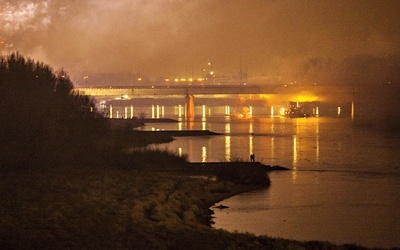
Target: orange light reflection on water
[(227, 142)]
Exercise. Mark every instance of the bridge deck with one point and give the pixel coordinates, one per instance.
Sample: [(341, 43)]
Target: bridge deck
[(164, 90)]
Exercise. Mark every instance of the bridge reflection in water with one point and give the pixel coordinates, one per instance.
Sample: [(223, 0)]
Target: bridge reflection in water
[(278, 140)]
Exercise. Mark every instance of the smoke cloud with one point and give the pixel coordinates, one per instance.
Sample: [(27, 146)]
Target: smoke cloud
[(25, 15), (176, 38)]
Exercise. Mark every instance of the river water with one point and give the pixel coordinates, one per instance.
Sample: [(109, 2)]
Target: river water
[(343, 186)]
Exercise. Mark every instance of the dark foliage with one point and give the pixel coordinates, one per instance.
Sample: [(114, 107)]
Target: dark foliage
[(43, 122)]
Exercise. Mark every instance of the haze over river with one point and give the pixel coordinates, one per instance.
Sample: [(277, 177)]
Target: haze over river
[(343, 186)]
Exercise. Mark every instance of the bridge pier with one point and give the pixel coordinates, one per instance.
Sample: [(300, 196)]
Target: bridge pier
[(189, 106)]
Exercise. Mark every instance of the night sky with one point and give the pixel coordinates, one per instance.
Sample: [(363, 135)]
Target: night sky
[(296, 40)]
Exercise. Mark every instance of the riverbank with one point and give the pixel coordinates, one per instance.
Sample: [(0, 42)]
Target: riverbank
[(155, 206), (136, 122), (123, 129)]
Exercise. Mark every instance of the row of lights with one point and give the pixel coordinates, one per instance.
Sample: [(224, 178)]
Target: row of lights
[(184, 80)]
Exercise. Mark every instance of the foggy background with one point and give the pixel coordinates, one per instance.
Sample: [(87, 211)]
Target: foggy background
[(352, 43)]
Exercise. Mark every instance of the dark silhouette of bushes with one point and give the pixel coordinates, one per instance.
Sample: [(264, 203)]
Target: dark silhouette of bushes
[(43, 122)]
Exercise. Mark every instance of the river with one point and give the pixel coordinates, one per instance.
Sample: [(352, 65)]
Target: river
[(343, 186)]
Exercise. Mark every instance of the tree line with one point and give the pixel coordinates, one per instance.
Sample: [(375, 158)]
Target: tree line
[(43, 121)]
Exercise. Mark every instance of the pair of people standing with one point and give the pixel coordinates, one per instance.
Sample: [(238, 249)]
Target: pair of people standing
[(252, 158)]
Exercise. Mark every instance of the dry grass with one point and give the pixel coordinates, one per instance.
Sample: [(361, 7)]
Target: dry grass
[(119, 208)]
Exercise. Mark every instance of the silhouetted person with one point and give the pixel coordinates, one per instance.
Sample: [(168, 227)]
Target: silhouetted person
[(252, 158)]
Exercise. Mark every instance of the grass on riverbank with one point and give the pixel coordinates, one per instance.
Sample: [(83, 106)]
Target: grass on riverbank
[(122, 206)]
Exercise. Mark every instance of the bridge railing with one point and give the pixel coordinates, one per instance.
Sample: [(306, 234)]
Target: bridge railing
[(216, 89)]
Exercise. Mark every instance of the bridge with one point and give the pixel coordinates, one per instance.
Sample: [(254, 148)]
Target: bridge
[(183, 90), (178, 90), (189, 91)]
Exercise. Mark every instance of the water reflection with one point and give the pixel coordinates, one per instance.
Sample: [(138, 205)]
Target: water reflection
[(157, 111), (190, 123), (203, 123), (227, 142), (295, 152), (306, 142), (306, 199), (251, 132), (180, 152), (317, 141), (203, 154), (294, 143), (272, 147), (250, 144), (180, 111), (272, 141)]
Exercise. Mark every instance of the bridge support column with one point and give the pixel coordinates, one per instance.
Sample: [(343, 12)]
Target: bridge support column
[(189, 106)]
